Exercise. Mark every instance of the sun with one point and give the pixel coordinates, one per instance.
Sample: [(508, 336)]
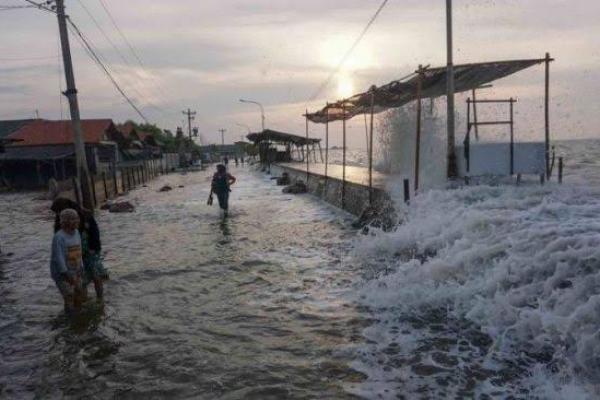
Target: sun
[(345, 87)]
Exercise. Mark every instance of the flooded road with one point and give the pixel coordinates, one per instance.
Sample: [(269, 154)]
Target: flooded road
[(254, 306)]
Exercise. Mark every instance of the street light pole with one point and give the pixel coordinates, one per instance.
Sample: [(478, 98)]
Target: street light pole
[(83, 188), (223, 136), (262, 110)]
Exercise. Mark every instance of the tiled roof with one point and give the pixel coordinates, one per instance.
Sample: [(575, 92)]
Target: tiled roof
[(9, 126), (42, 132)]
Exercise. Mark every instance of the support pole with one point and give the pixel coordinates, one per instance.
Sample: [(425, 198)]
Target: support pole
[(512, 138), (320, 151), (418, 138), (307, 149), (327, 140), (451, 169), (105, 185), (343, 155), (560, 169), (406, 191), (83, 189), (468, 137), (475, 114), (370, 146), (547, 114)]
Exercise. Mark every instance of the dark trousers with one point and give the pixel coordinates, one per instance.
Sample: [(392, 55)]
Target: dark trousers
[(223, 198)]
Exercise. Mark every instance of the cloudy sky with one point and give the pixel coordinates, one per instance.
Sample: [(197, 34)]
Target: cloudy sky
[(207, 54)]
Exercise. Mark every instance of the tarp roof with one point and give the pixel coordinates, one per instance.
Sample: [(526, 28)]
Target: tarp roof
[(280, 137), (37, 153), (433, 84)]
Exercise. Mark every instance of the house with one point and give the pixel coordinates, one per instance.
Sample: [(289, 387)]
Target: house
[(139, 145), (45, 150)]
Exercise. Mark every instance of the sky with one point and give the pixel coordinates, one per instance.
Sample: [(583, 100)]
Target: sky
[(206, 55)]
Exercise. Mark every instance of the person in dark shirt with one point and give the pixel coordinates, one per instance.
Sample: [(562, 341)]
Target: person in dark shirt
[(221, 183), (90, 242)]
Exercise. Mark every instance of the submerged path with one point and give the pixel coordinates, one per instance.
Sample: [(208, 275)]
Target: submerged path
[(198, 307)]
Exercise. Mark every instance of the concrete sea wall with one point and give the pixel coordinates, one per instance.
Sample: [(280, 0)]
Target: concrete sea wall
[(356, 197)]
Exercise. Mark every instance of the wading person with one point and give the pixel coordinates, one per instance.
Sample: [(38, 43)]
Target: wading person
[(221, 183), (90, 244), (66, 263)]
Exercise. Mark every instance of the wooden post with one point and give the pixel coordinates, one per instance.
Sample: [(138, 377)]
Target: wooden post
[(512, 138), (475, 115), (406, 191), (418, 139), (93, 184), (547, 114), (560, 169), (320, 151), (326, 139), (115, 184), (307, 149), (370, 147), (343, 154), (105, 185), (75, 186), (468, 137)]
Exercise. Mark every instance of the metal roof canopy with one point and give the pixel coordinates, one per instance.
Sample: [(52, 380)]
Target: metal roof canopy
[(433, 84), (269, 135), (37, 153)]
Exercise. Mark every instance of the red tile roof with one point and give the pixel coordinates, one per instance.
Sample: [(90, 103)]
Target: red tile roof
[(42, 132)]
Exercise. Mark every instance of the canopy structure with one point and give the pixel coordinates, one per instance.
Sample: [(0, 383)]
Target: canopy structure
[(426, 83), (268, 153), (272, 136), (433, 84)]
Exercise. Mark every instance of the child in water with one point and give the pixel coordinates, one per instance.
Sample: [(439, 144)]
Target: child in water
[(221, 183), (66, 263)]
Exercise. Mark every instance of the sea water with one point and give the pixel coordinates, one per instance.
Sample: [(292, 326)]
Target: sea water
[(489, 291)]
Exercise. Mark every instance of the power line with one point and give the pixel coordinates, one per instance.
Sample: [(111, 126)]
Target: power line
[(103, 32), (114, 22), (349, 52), (95, 57), (131, 47)]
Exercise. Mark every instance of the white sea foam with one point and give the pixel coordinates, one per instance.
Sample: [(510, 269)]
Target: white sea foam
[(491, 290)]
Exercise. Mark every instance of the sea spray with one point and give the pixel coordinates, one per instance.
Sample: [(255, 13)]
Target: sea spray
[(486, 289)]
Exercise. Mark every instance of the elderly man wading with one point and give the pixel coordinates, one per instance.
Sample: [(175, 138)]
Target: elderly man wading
[(66, 263)]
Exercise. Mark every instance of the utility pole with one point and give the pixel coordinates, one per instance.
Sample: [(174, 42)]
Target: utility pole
[(451, 169), (83, 188), (222, 135), (190, 115)]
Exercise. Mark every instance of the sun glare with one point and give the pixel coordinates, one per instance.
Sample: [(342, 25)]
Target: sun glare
[(333, 49), (345, 86)]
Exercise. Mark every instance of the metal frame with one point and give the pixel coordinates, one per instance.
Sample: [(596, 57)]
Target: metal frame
[(475, 124)]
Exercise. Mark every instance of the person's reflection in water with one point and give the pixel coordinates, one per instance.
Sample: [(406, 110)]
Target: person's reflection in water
[(225, 228)]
